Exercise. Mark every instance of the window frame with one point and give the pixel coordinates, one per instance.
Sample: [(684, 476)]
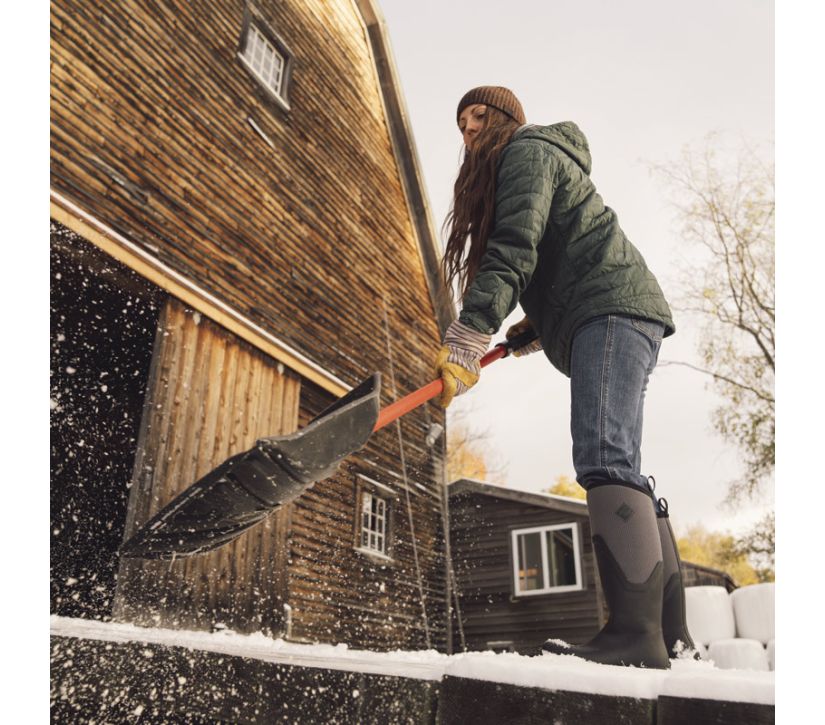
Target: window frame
[(367, 487), (255, 20), (577, 559)]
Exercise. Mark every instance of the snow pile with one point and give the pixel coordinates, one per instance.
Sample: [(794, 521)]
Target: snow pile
[(709, 614), (692, 680), (558, 672), (701, 649), (687, 678), (738, 654), (753, 608)]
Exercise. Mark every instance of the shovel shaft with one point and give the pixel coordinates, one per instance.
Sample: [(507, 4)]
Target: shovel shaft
[(428, 392)]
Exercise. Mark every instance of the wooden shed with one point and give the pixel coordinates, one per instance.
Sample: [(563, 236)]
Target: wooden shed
[(239, 236), (525, 570)]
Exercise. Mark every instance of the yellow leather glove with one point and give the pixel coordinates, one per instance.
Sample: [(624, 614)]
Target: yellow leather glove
[(519, 328), (458, 363)]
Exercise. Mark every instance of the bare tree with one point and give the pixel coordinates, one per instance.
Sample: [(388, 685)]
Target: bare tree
[(726, 210)]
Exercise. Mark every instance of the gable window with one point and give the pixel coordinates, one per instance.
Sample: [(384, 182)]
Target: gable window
[(374, 516), (267, 58), (546, 559)]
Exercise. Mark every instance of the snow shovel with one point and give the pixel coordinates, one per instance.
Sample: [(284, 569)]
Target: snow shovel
[(248, 486)]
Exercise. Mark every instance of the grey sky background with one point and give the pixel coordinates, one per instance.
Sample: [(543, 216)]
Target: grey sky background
[(642, 79)]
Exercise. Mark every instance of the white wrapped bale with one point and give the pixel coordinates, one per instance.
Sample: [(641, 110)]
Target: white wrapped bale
[(709, 614), (738, 654), (753, 609), (772, 654)]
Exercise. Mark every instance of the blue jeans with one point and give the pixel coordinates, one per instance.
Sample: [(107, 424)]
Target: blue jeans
[(611, 360)]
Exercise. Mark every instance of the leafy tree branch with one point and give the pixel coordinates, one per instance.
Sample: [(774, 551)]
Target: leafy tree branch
[(725, 209)]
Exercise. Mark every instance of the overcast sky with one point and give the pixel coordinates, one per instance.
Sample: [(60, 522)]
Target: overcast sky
[(642, 79)]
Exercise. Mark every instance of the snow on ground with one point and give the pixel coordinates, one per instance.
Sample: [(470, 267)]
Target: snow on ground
[(687, 678)]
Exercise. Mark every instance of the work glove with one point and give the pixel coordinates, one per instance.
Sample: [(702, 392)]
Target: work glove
[(458, 363), (518, 329)]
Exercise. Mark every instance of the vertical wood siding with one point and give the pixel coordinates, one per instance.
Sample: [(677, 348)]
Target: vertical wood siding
[(210, 397)]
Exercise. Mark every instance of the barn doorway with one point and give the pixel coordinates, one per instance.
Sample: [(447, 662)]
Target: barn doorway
[(103, 323)]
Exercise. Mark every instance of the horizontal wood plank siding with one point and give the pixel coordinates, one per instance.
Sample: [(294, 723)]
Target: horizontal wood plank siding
[(150, 132), (343, 595), (480, 528), (210, 397), (299, 222)]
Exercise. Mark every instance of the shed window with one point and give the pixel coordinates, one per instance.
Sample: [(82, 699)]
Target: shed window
[(546, 559), (374, 511), (267, 58)]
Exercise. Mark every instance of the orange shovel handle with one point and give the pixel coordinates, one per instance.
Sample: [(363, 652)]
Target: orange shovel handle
[(431, 390)]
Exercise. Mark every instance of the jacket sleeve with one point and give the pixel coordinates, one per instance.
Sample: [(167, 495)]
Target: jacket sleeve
[(524, 191)]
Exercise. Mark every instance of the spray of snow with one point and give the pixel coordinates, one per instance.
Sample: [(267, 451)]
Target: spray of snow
[(686, 678)]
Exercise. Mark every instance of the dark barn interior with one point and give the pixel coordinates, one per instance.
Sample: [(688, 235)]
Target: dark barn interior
[(103, 321)]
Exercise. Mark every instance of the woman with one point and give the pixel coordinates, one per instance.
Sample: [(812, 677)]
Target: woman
[(539, 235)]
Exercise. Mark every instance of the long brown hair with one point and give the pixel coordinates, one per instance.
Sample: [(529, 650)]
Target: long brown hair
[(474, 196)]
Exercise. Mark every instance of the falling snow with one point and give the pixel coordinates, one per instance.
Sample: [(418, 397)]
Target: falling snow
[(687, 678)]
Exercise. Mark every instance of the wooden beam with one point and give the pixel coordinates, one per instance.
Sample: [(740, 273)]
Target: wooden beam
[(137, 259)]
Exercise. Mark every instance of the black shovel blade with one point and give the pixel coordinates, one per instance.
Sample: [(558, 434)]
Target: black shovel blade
[(247, 487)]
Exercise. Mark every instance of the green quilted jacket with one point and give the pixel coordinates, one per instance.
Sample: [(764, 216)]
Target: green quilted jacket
[(556, 248)]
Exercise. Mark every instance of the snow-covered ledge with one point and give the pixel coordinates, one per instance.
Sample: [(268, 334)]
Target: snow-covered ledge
[(427, 665), (686, 679)]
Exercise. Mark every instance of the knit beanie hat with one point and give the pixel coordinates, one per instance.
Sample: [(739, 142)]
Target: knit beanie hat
[(496, 96)]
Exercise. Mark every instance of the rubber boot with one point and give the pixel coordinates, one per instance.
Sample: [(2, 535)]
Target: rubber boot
[(629, 555), (674, 623)]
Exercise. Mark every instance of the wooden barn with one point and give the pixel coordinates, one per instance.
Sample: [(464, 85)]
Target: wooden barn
[(525, 570), (240, 236)]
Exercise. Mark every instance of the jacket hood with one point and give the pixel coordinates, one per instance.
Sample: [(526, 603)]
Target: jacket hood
[(565, 135)]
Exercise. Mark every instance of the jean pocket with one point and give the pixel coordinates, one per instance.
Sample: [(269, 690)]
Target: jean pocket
[(649, 328)]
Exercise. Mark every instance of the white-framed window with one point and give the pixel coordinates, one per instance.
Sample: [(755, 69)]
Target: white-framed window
[(266, 57), (374, 517), (546, 559)]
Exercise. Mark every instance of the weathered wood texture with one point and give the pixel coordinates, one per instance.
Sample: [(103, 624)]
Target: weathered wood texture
[(480, 540), (308, 236), (210, 397), (150, 110), (342, 595), (696, 575)]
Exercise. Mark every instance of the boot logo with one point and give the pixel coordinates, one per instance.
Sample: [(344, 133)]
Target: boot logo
[(624, 512)]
